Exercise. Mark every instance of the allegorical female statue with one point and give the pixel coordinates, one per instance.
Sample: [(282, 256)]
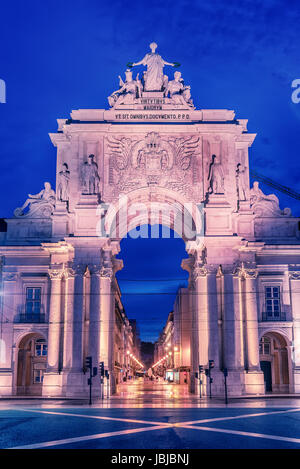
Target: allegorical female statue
[(154, 77)]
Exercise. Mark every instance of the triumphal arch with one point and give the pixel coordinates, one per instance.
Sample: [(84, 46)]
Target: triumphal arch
[(153, 157)]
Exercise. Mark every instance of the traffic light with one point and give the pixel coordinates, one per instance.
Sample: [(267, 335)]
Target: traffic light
[(201, 368), (211, 364), (101, 366), (88, 362)]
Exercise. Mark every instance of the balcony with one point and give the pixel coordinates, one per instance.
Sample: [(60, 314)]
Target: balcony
[(274, 316), (26, 318)]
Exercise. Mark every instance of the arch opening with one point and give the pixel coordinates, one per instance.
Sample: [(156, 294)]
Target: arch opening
[(31, 364), (149, 283), (275, 362)]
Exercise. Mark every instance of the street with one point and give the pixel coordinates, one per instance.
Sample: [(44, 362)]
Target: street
[(151, 416)]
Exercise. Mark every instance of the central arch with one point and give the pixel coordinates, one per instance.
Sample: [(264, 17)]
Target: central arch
[(154, 205)]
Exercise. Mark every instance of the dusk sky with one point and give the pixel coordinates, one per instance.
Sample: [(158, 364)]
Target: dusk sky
[(62, 55)]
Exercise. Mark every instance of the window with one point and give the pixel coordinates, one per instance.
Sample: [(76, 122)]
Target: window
[(38, 376), (272, 301), (265, 346), (40, 348), (33, 301)]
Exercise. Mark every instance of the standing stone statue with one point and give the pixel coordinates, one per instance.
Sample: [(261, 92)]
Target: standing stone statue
[(241, 182), (154, 77), (63, 183), (215, 177), (90, 176)]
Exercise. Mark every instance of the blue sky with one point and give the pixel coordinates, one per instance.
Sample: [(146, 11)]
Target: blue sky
[(61, 55)]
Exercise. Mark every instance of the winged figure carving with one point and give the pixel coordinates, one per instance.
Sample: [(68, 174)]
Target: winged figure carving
[(120, 148), (185, 149)]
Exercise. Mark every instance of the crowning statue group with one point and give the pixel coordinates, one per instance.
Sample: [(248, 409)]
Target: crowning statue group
[(153, 80)]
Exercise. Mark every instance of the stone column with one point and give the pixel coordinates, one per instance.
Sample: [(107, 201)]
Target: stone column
[(9, 360), (295, 300), (78, 319), (73, 360), (233, 339), (106, 317), (201, 313), (74, 381), (94, 323), (54, 330), (252, 349)]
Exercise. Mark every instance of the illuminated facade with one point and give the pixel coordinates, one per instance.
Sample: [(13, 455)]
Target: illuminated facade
[(152, 157)]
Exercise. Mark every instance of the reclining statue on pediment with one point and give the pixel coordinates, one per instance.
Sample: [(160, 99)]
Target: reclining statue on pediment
[(266, 205), (40, 205), (128, 91)]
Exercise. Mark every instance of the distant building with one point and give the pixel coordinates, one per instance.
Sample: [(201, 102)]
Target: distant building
[(147, 354)]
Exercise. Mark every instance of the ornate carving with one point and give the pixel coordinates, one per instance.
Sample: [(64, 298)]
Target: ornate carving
[(153, 160), (40, 205), (56, 274), (294, 275), (152, 154), (95, 269), (9, 276), (185, 150), (75, 269), (265, 205), (120, 150), (245, 270), (106, 272)]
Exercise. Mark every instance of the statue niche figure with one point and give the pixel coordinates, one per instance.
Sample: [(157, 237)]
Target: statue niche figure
[(241, 183), (153, 77), (215, 177), (40, 205), (63, 183), (90, 176)]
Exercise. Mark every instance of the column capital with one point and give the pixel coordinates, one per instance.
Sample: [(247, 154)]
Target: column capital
[(56, 274), (75, 270), (245, 270), (95, 269), (106, 272)]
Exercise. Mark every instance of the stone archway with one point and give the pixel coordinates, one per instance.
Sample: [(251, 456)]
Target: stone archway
[(31, 364), (275, 362), (158, 206)]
